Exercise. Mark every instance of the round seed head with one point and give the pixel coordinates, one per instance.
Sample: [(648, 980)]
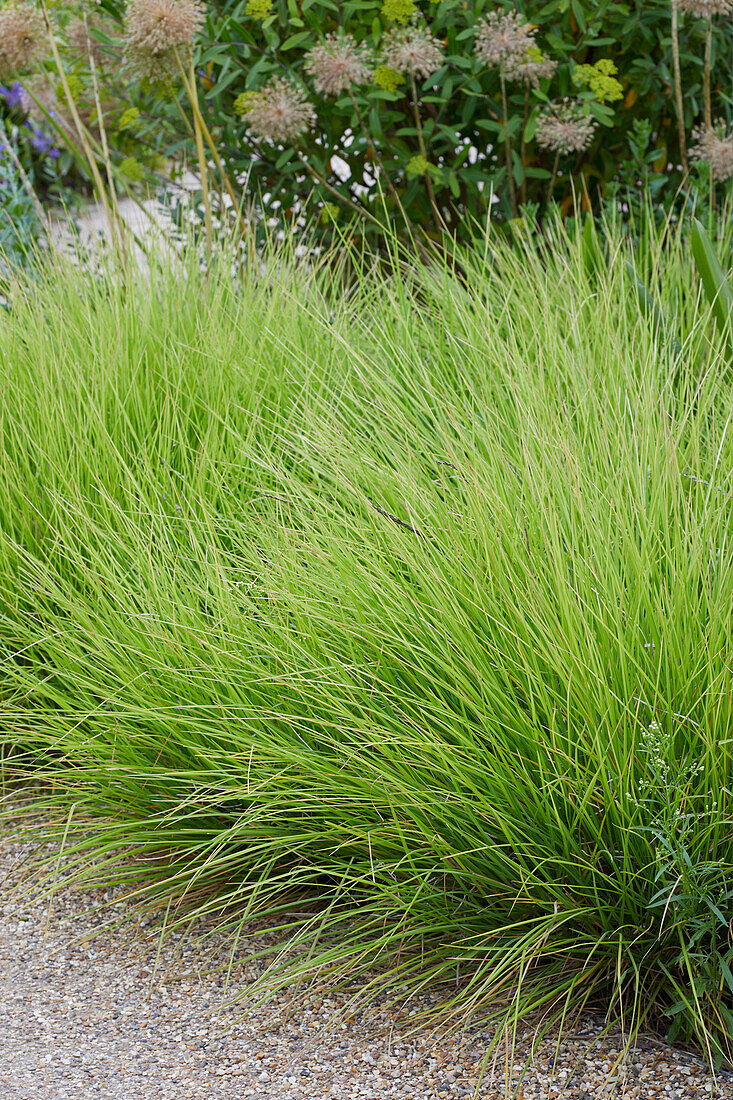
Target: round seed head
[(716, 147), (504, 38), (22, 37), (704, 9), (156, 32), (565, 129), (412, 50), (531, 69), (337, 64), (280, 112)]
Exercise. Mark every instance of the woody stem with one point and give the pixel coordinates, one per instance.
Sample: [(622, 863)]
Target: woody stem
[(524, 145), (678, 86), (508, 144), (360, 210), (440, 223), (370, 145), (553, 177), (708, 55)]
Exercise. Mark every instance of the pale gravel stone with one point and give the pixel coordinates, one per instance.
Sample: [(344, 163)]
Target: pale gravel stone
[(102, 1017)]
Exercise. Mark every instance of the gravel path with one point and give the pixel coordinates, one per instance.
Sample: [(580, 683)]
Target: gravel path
[(114, 1016)]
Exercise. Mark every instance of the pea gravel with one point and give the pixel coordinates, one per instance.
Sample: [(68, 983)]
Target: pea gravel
[(117, 1014)]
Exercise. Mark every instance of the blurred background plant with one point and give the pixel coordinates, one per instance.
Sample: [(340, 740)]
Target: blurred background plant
[(434, 114), (20, 225), (442, 112)]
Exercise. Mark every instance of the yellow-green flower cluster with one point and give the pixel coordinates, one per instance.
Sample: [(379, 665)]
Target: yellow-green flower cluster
[(329, 213), (399, 11), (75, 85), (259, 9), (243, 102), (129, 119), (387, 78), (600, 79), (417, 166), (132, 169)]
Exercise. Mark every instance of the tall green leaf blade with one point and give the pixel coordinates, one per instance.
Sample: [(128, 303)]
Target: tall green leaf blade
[(714, 281)]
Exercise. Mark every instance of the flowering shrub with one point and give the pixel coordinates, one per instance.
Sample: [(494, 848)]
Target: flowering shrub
[(419, 112), (33, 143), (443, 110)]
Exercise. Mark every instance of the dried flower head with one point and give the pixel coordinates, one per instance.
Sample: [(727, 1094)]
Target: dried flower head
[(716, 147), (157, 32), (22, 37), (532, 69), (337, 64), (705, 9), (565, 129), (412, 50), (504, 38), (280, 111)]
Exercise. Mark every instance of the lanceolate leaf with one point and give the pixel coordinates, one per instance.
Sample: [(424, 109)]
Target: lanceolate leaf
[(716, 285)]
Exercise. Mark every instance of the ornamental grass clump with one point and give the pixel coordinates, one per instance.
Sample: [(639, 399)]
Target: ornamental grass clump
[(400, 615)]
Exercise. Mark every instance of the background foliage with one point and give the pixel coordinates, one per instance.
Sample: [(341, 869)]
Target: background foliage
[(613, 59), (635, 148)]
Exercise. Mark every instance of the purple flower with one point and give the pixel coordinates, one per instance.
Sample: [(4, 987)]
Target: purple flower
[(39, 142), (16, 97)]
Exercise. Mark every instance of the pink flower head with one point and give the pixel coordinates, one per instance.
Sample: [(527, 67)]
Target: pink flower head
[(280, 112), (412, 50), (338, 64)]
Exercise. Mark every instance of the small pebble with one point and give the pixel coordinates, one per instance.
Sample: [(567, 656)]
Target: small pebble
[(126, 1017)]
